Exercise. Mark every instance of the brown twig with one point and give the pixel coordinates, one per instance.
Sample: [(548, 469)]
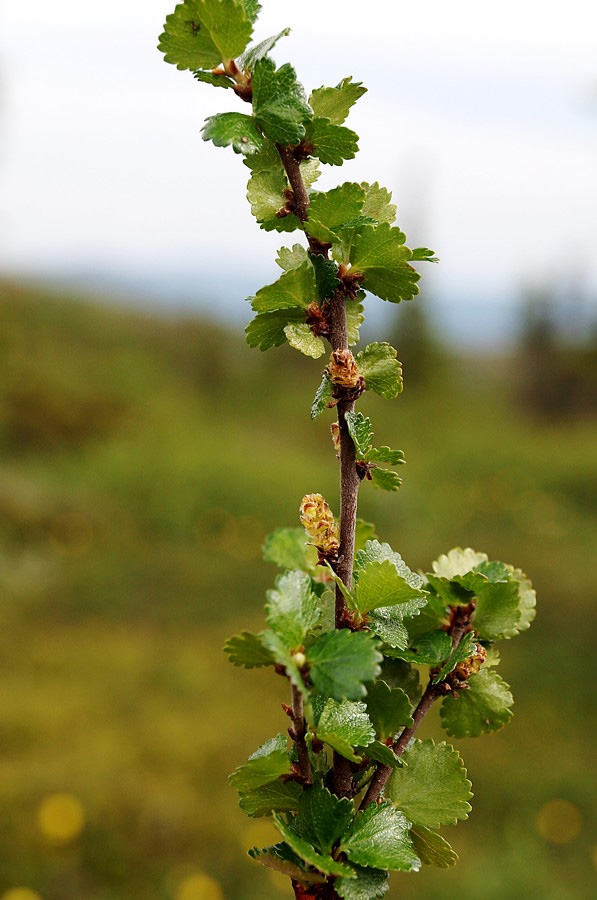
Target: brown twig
[(297, 733)]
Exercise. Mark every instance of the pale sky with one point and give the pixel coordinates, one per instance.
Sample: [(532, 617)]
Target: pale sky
[(481, 117)]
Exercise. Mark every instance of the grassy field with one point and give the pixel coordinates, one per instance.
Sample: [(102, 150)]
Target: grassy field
[(141, 469)]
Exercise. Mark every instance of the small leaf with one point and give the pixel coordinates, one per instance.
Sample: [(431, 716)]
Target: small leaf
[(432, 848), (422, 254), (331, 210), (335, 103), (384, 454), (266, 191), (295, 288), (288, 548), (497, 612), (216, 80), (386, 479), (268, 763), (429, 649), (387, 625), (247, 650), (432, 789), (381, 370), (279, 102), (465, 649), (252, 9), (370, 884), (332, 143), (381, 753), (458, 562), (380, 838), (380, 585), (323, 818), (277, 796), (267, 329), (251, 57), (323, 396), (292, 609), (233, 129), (359, 427), (200, 35), (282, 859), (377, 203), (302, 338), (345, 725), (341, 661), (379, 252), (388, 708), (308, 853), (292, 257), (484, 708), (354, 318), (398, 673), (527, 600)]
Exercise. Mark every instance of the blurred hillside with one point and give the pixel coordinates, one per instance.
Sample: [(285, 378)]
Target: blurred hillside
[(143, 461)]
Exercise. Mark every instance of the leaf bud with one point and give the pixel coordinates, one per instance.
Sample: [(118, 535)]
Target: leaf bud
[(472, 665), (335, 429), (343, 369), (318, 521)]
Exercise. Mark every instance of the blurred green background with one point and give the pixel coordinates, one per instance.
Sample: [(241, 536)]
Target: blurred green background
[(144, 458)]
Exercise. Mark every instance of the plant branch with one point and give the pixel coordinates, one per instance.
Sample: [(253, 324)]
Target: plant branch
[(297, 733)]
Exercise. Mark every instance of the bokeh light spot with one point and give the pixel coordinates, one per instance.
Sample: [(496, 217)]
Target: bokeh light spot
[(199, 887), (559, 821), (70, 533), (20, 893), (61, 818)]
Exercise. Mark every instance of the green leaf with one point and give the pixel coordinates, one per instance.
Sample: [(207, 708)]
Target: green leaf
[(432, 789), (387, 625), (380, 838), (252, 8), (335, 103), (429, 649), (381, 753), (497, 612), (432, 848), (374, 551), (385, 479), (277, 796), (380, 254), (268, 763), (284, 657), (377, 203), (332, 144), (422, 254), (323, 396), (484, 708), (330, 210), (308, 853), (295, 288), (284, 860), (279, 102), (323, 818), (302, 338), (217, 80), (370, 884), (288, 549), (341, 661), (458, 562), (345, 725), (354, 318), (267, 329), (292, 609), (292, 257), (398, 673), (384, 454), (265, 193), (234, 129), (527, 600), (388, 708), (381, 370), (380, 585), (465, 649), (200, 34), (247, 650), (251, 57), (359, 427)]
